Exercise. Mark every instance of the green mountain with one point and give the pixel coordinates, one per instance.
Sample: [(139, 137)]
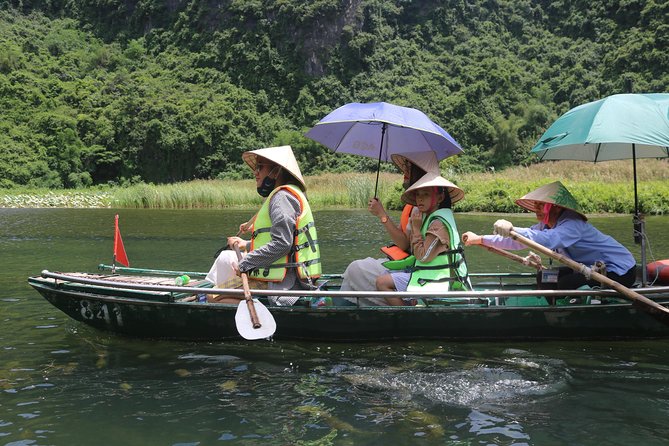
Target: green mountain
[(120, 91)]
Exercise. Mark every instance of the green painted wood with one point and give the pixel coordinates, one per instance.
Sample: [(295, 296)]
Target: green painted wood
[(152, 315)]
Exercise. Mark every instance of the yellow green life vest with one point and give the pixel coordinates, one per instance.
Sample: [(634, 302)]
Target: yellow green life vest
[(447, 271), (304, 255)]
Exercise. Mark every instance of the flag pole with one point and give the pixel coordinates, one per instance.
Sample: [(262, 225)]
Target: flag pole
[(119, 250), (113, 268)]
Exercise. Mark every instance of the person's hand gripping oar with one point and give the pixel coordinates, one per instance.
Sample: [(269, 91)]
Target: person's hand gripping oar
[(253, 319), (243, 229), (505, 229)]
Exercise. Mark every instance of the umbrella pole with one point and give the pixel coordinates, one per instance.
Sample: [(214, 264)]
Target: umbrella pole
[(639, 224), (644, 268), (378, 166), (636, 197)]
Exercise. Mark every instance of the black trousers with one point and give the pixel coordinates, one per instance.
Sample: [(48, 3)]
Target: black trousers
[(568, 279)]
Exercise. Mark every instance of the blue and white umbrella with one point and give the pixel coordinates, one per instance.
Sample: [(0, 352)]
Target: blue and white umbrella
[(379, 130)]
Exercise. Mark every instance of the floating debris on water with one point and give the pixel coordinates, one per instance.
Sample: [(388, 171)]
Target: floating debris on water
[(228, 386)]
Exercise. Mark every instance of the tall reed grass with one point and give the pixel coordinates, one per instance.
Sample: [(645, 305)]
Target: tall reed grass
[(599, 188), (188, 195), (328, 190), (579, 171), (351, 190), (606, 187)]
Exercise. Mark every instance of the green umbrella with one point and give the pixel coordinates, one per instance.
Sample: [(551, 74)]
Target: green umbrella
[(622, 126)]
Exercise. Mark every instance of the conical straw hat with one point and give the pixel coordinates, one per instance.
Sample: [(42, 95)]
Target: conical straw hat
[(283, 156), (427, 161), (432, 179), (553, 193)]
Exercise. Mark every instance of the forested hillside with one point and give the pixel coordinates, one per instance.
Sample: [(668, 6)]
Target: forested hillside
[(123, 91)]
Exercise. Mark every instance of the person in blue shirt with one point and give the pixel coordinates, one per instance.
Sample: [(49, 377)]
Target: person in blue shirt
[(565, 229)]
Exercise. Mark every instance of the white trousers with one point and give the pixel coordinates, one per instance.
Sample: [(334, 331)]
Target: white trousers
[(222, 275), (360, 275)]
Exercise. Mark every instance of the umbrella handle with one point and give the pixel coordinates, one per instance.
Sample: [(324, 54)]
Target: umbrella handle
[(378, 164)]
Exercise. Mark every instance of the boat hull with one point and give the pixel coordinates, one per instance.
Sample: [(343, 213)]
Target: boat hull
[(155, 318)]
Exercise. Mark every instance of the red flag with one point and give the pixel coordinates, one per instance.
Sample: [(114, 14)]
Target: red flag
[(119, 249)]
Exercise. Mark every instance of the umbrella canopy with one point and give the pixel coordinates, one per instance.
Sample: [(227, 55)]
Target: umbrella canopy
[(379, 130), (622, 126)]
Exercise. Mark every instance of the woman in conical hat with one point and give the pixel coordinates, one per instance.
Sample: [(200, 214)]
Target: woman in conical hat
[(564, 228), (360, 275), (547, 196), (437, 263), (538, 201), (413, 167), (276, 257), (280, 161)]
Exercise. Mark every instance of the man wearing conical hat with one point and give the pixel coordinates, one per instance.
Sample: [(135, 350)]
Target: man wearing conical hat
[(437, 263), (563, 228), (283, 252), (361, 274)]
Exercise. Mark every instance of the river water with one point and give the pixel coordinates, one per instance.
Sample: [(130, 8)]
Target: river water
[(62, 383)]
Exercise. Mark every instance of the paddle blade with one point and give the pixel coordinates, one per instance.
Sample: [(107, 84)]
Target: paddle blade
[(245, 326)]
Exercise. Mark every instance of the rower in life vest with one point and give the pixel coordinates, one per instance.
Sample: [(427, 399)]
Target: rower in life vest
[(437, 263), (283, 252), (305, 252)]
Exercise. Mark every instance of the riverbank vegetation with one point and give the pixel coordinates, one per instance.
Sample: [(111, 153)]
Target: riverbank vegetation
[(599, 188), (127, 92)]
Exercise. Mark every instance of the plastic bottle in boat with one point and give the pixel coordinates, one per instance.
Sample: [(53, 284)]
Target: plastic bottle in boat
[(322, 302), (182, 280)]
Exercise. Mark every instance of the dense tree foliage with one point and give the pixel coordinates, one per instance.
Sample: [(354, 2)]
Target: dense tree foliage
[(98, 91)]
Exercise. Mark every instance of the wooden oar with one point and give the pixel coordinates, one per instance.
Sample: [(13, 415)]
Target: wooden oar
[(515, 257), (509, 255), (653, 308), (247, 292), (247, 318)]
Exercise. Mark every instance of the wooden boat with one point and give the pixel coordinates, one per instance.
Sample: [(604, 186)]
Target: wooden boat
[(147, 303)]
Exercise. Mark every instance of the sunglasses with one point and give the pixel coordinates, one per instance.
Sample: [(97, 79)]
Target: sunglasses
[(275, 168)]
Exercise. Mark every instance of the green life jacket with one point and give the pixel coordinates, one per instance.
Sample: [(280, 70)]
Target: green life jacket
[(304, 255), (447, 271)]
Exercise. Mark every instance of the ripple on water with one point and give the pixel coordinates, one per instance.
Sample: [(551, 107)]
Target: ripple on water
[(474, 385), (209, 359), (482, 423)]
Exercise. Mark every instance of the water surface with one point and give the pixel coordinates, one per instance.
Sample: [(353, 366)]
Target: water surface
[(62, 383)]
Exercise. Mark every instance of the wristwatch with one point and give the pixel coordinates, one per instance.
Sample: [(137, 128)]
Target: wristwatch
[(384, 219)]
